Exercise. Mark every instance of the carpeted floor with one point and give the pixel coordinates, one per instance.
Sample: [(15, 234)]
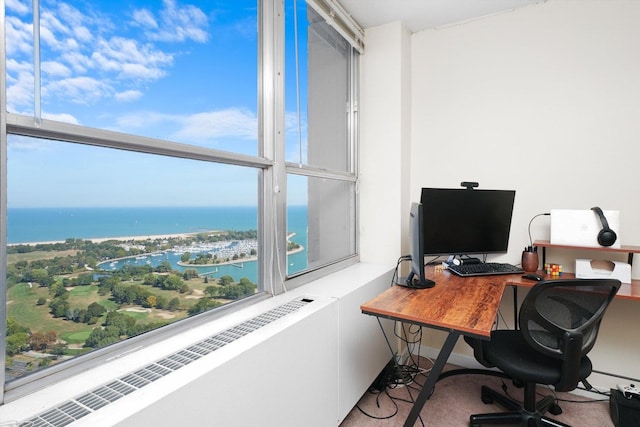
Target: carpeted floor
[(457, 397)]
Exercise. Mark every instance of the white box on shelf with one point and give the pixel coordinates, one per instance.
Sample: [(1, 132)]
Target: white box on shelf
[(597, 269), (577, 227)]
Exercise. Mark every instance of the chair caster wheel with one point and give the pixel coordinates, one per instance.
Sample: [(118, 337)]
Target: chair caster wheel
[(555, 409), (486, 399)]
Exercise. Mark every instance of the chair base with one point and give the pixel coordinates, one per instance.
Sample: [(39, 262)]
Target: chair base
[(530, 415)]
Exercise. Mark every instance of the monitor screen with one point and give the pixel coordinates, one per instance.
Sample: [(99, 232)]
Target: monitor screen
[(466, 221)]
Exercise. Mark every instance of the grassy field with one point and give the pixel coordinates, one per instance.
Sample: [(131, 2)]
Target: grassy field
[(22, 305), (24, 309), (32, 256)]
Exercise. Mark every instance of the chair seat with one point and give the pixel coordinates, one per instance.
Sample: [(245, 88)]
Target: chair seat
[(559, 321), (515, 357)]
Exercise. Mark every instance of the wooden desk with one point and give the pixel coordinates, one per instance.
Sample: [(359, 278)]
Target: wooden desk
[(460, 306), (630, 291)]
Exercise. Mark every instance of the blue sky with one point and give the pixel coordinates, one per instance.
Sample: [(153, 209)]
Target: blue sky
[(174, 69)]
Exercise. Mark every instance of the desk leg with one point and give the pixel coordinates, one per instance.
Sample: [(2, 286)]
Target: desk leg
[(434, 374)]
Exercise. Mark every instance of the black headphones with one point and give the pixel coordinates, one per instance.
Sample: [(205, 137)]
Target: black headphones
[(606, 236)]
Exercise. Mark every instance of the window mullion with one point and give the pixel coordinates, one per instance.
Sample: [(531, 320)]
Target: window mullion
[(3, 202), (271, 117), (48, 129)]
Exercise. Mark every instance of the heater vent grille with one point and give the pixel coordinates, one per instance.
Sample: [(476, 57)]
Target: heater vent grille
[(76, 408)]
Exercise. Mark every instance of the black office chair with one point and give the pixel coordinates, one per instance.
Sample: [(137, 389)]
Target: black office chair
[(559, 321)]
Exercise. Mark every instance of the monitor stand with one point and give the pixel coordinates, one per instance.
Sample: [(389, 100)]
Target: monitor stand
[(412, 281)]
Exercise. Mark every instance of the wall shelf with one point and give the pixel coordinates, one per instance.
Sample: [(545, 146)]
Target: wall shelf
[(629, 250)]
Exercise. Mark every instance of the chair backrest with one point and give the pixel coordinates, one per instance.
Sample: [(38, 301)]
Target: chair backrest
[(560, 318)]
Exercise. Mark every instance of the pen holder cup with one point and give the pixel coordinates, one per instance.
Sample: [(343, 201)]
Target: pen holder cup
[(529, 261)]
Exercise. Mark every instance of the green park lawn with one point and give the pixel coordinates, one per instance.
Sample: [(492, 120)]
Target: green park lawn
[(24, 309)]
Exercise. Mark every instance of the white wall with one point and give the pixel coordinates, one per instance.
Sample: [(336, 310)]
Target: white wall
[(544, 100), (384, 161)]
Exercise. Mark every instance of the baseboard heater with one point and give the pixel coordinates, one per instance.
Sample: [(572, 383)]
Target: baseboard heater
[(85, 404)]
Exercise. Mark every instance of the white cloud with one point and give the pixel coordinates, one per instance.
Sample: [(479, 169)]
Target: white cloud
[(140, 71), (145, 19), (143, 119), (128, 95), (81, 90), (130, 59), (19, 38), (24, 143), (211, 125), (201, 128), (87, 57), (83, 34), (19, 85), (178, 23), (65, 118), (55, 69), (77, 61), (17, 6), (53, 31)]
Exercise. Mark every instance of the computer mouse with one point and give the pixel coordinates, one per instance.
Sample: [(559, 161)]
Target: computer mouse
[(533, 276)]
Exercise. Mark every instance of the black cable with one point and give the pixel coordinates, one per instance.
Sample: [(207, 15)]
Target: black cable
[(529, 227), (394, 279), (385, 417)]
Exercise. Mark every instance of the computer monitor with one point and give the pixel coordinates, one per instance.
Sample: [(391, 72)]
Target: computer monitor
[(466, 221), (416, 277)]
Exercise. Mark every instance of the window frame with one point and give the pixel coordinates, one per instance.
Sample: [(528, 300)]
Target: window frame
[(340, 21), (269, 162)]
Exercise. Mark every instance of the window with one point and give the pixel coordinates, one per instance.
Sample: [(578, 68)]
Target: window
[(155, 168), (321, 164)]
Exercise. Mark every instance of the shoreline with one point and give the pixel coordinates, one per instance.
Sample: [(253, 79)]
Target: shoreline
[(122, 238), (236, 261)]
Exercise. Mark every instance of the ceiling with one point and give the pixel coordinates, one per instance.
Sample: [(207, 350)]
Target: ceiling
[(417, 15)]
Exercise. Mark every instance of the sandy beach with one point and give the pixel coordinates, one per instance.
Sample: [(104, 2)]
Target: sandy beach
[(124, 238)]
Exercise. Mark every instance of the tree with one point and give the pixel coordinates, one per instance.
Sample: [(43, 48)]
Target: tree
[(95, 310), (211, 291), (102, 337), (151, 301), (44, 362), (106, 284), (84, 279), (150, 280), (119, 322), (41, 277), (225, 280), (172, 283), (57, 290), (173, 304), (17, 343), (41, 341), (161, 302), (202, 305), (13, 327), (59, 307), (190, 273), (185, 257)]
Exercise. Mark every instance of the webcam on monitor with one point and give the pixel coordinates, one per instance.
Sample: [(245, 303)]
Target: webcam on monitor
[(469, 185)]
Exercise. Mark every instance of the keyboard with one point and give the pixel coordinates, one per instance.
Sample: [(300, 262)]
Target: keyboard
[(484, 269)]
